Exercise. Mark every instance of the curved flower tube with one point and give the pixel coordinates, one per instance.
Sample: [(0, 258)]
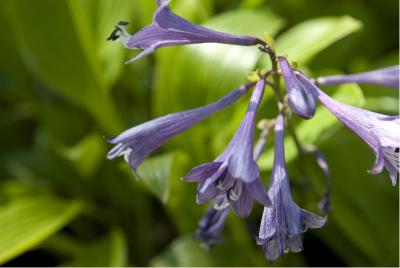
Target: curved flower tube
[(388, 77), (284, 222), (138, 142), (168, 29), (380, 132), (234, 174)]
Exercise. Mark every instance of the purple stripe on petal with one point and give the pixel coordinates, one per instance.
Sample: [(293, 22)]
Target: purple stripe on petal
[(383, 77), (242, 207)]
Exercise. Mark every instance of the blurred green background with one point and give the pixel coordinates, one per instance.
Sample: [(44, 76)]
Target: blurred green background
[(63, 87)]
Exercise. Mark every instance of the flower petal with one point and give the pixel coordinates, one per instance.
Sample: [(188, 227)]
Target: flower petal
[(258, 192), (242, 207), (311, 220), (202, 172)]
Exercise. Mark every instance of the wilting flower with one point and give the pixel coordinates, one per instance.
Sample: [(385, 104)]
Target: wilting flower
[(212, 224), (138, 142), (284, 222), (300, 100), (382, 77), (234, 174), (380, 132), (168, 29)]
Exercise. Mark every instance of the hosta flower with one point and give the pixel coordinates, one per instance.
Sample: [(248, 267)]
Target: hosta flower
[(380, 132), (384, 77), (136, 143), (212, 224), (284, 222), (234, 174), (168, 29), (300, 100)]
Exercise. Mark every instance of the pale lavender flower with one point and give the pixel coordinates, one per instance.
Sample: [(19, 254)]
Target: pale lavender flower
[(382, 77), (284, 222), (380, 132), (300, 100), (138, 142), (234, 173), (212, 224), (168, 29)]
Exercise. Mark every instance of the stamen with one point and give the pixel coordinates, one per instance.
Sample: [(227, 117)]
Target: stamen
[(392, 155), (123, 23), (224, 204), (114, 35)]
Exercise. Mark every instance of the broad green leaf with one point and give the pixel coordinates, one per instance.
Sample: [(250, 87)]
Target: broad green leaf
[(155, 173), (321, 127), (67, 58), (87, 155), (26, 222), (184, 251), (302, 42), (110, 251)]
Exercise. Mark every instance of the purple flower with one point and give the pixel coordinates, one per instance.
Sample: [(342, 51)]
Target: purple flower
[(138, 142), (382, 77), (380, 132), (168, 29), (284, 222), (212, 224), (234, 174), (300, 100)]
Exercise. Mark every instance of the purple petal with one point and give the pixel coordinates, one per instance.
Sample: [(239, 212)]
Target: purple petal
[(300, 100), (242, 207), (206, 194), (385, 77), (202, 172), (311, 220), (241, 164), (138, 142), (258, 192)]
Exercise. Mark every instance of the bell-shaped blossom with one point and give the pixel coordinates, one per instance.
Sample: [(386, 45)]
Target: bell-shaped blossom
[(138, 142), (388, 77), (300, 100), (168, 29), (284, 222), (380, 132), (212, 224), (234, 174)]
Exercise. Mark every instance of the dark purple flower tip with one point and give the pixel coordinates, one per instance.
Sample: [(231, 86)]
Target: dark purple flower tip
[(388, 77), (300, 100), (284, 222), (212, 224), (136, 143), (235, 174), (168, 29), (379, 131)]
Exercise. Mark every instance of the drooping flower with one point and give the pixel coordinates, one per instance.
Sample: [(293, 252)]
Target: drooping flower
[(300, 100), (168, 29), (212, 224), (138, 142), (382, 77), (234, 174), (284, 222), (380, 132)]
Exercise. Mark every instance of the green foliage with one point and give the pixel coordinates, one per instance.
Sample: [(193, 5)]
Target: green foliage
[(26, 222), (63, 87)]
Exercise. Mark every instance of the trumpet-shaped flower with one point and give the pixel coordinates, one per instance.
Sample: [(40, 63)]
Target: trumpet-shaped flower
[(168, 29), (234, 174), (284, 222), (300, 100), (388, 77), (212, 224), (138, 142), (380, 132)]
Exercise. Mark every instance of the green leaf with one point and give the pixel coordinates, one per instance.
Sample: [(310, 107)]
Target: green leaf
[(70, 59), (302, 42), (184, 251), (155, 173), (318, 129), (109, 251), (26, 222)]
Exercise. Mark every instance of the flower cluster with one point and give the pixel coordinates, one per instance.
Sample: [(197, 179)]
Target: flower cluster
[(232, 180)]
